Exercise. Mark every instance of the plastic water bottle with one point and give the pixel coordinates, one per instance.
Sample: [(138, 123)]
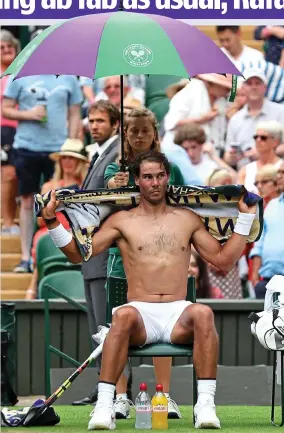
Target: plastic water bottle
[(143, 409), (41, 99), (160, 410)]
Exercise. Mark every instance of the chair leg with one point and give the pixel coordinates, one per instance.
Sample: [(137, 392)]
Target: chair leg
[(194, 392), (47, 346), (274, 388)]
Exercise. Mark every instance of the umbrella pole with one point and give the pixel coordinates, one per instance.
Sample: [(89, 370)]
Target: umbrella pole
[(122, 161)]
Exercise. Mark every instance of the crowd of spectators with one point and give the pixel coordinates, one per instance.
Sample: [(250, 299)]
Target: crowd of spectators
[(55, 130)]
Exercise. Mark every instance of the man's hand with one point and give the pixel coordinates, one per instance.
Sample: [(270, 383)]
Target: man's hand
[(211, 115), (36, 113), (121, 179), (209, 148), (255, 278), (244, 208), (48, 212)]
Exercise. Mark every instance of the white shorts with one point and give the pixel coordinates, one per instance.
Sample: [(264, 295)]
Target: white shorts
[(159, 318)]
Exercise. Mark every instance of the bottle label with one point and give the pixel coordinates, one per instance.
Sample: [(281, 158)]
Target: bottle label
[(143, 409), (160, 408)]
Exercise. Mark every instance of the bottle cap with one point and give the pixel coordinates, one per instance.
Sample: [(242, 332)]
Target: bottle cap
[(159, 387), (143, 386)]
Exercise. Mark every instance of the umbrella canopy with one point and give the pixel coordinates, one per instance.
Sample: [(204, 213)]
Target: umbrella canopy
[(121, 43)]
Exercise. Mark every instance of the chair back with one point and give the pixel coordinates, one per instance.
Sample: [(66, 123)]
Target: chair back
[(69, 283), (46, 248), (55, 266)]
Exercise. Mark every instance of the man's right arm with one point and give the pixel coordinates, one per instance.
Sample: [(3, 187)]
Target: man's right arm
[(10, 111), (63, 239)]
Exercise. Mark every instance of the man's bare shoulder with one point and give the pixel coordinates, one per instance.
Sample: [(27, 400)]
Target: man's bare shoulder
[(186, 213), (118, 217)]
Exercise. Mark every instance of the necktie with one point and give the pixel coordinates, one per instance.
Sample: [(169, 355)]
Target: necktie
[(93, 160)]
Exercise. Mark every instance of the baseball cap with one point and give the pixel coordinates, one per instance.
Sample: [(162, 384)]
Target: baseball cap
[(255, 72)]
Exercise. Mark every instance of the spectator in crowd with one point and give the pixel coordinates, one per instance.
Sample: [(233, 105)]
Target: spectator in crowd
[(268, 252), (273, 74), (266, 183), (104, 124), (273, 37), (108, 88), (228, 282), (198, 269), (48, 111), (267, 138), (70, 171), (202, 101), (10, 47), (235, 157), (192, 138), (242, 125), (141, 135), (111, 90), (230, 38)]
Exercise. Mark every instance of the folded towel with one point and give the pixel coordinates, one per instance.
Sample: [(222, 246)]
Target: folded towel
[(216, 206)]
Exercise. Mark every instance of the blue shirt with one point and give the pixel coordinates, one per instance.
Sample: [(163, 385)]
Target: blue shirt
[(275, 78), (273, 46), (58, 94), (270, 247), (177, 155)]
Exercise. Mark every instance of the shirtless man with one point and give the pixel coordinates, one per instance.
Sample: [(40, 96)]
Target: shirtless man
[(155, 240)]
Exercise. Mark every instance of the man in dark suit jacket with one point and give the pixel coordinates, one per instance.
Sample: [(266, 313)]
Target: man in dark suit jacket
[(104, 125)]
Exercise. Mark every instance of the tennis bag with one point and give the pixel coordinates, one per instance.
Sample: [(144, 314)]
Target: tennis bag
[(268, 327), (18, 418)]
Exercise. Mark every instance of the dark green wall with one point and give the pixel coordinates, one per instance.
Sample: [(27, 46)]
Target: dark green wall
[(69, 332)]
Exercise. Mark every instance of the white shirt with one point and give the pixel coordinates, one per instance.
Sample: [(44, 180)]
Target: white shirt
[(248, 54), (191, 102), (205, 167), (242, 126), (93, 148)]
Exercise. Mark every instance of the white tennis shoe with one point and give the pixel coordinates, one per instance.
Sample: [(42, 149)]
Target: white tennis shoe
[(205, 416), (102, 417)]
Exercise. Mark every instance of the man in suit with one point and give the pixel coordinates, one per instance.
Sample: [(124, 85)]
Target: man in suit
[(104, 125)]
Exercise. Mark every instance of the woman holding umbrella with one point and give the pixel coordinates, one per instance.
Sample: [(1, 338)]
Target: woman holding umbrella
[(140, 135)]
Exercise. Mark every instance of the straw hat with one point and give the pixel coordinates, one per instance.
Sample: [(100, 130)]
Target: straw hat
[(71, 147), (221, 80), (173, 89), (130, 103)]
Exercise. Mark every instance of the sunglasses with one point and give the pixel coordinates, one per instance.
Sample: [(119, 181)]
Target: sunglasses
[(263, 182), (262, 137)]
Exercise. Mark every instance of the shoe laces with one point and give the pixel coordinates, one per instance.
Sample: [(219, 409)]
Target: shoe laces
[(172, 405), (122, 404)]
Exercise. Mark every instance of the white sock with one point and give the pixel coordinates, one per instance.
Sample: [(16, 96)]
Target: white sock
[(206, 390), (121, 396), (106, 392)]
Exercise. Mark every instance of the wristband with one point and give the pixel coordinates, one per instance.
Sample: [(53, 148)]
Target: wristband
[(60, 236), (244, 223)]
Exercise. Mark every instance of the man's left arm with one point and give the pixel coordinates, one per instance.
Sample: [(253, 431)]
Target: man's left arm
[(74, 109), (225, 257), (74, 119)]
